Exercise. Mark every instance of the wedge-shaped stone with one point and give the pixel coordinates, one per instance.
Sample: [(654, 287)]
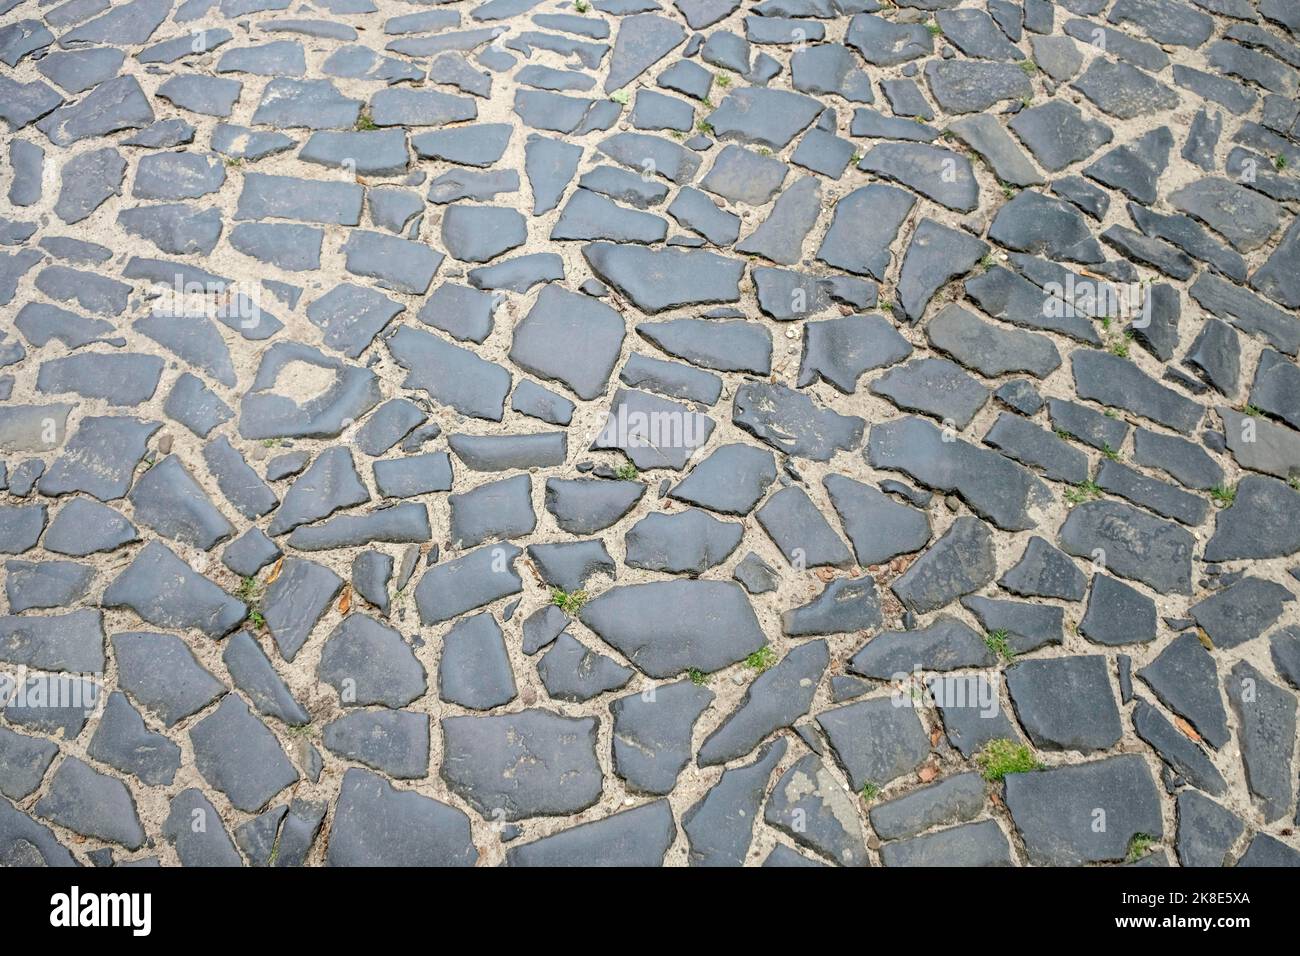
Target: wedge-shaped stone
[(375, 824), (874, 740), (478, 578), (163, 590), (667, 627), (236, 754), (960, 562)]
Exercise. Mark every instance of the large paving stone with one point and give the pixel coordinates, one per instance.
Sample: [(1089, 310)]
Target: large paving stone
[(527, 764)]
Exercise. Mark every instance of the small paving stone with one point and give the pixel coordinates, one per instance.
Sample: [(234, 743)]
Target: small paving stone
[(393, 741), (478, 578), (368, 663), (670, 643), (236, 754), (475, 671), (689, 542), (1117, 614), (1184, 677), (1266, 716), (637, 837), (720, 826), (812, 807), (570, 671), (1053, 810), (1176, 749), (92, 804), (652, 734), (253, 673), (164, 591), (375, 824), (1206, 830), (559, 776), (1066, 703), (874, 740)]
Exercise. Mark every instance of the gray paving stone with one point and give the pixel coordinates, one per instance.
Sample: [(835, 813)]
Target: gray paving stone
[(1266, 716), (1185, 679), (719, 827), (92, 804), (637, 837), (375, 824), (393, 741), (813, 808)]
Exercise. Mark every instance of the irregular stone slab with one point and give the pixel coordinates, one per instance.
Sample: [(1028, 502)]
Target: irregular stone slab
[(284, 197), (990, 349), (85, 527), (672, 640), (393, 741), (1276, 277), (934, 386), (1114, 381), (945, 644), (588, 505), (730, 481), (790, 422), (830, 68), (209, 95), (394, 263), (21, 527), (874, 740), (972, 844), (742, 175), (264, 413), (24, 842), (24, 761), (763, 117), (451, 375), (657, 375), (1066, 703), (403, 524), (1241, 612), (588, 216), (1133, 544), (652, 734), (121, 379), (162, 673), (1054, 810), (1244, 217), (571, 672), (295, 601), (253, 673), (89, 179), (1177, 749), (934, 172), (481, 233), (330, 483), (92, 804), (471, 581), (1117, 614), (985, 135), (656, 280), (958, 563), (964, 86), (804, 537), (638, 837), (113, 105), (236, 754), (781, 235), (1058, 134), (720, 825), (1206, 831), (462, 312), (954, 800), (368, 663), (810, 805), (652, 155), (653, 432), (777, 698), (375, 824), (993, 486), (1185, 680), (887, 43), (1123, 91), (167, 500), (864, 225), (642, 41), (122, 741), (688, 542), (559, 316), (1265, 850), (728, 346), (505, 452), (531, 763), (840, 350), (61, 642), (475, 669), (206, 845), (1044, 571), (497, 510), (1266, 716), (1027, 626), (569, 565), (845, 605), (935, 255), (164, 591)]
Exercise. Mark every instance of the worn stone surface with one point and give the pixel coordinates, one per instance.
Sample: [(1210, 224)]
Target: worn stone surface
[(714, 370)]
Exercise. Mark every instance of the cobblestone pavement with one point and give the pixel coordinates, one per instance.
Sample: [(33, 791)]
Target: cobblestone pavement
[(540, 432)]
